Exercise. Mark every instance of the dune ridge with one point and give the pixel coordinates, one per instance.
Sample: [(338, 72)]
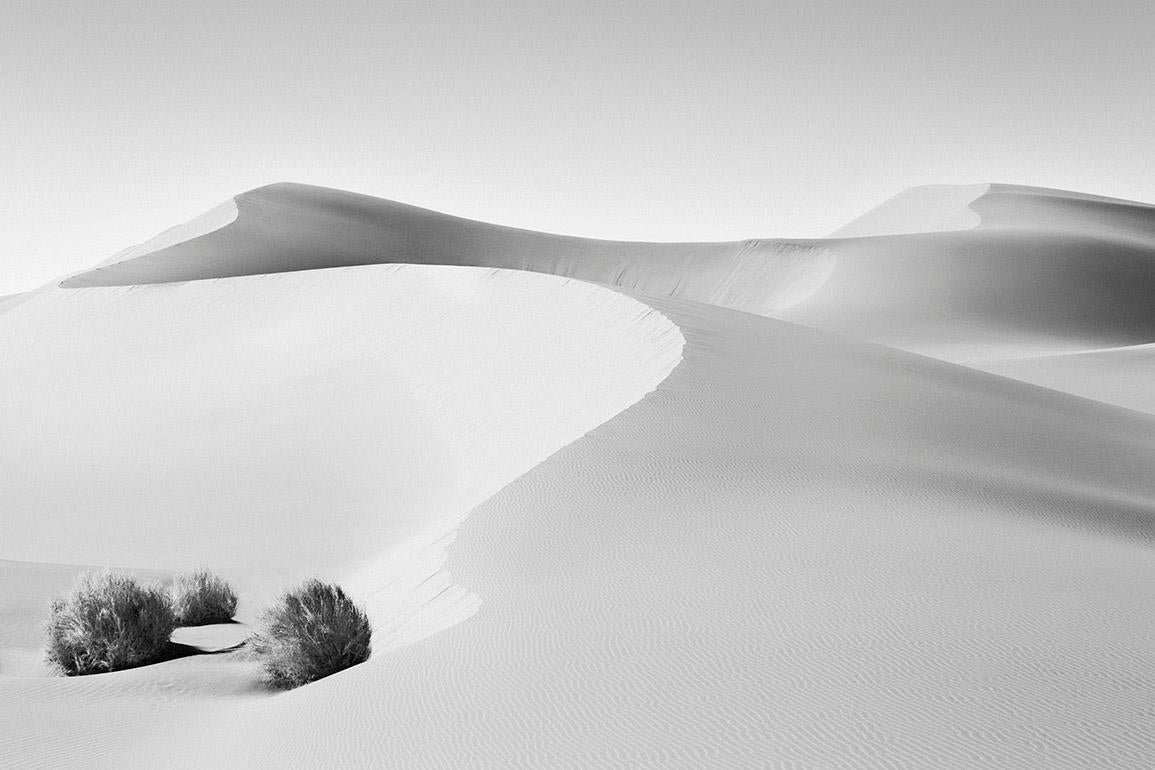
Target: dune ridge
[(926, 209), (415, 392), (9, 301), (289, 227), (774, 546), (722, 575), (1010, 271), (214, 219), (1041, 272)]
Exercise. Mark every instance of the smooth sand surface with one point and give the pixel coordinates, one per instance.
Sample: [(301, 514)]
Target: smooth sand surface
[(1044, 272), (286, 227), (753, 567), (10, 301), (701, 538), (929, 209), (198, 227), (227, 422), (1122, 376), (1016, 271)]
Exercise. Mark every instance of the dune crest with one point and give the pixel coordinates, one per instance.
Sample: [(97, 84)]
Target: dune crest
[(210, 221), (799, 550), (1042, 272), (927, 209), (225, 422), (699, 536), (964, 273), (290, 227)]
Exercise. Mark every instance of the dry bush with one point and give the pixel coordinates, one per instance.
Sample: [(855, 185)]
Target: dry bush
[(311, 632), (200, 598), (108, 622)]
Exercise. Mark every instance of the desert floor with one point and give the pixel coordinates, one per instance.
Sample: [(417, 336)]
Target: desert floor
[(883, 499)]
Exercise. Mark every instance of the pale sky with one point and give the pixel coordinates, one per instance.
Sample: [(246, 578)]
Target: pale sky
[(670, 120)]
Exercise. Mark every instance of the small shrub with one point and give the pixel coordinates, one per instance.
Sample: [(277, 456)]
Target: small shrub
[(313, 631), (108, 622), (200, 598)]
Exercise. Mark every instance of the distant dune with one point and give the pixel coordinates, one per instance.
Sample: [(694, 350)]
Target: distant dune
[(1041, 271), (11, 300), (289, 227), (929, 209), (1016, 270), (609, 504)]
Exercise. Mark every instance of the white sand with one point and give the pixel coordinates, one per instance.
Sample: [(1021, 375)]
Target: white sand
[(1122, 376), (288, 227), (198, 227), (223, 422), (928, 209), (1016, 271), (10, 301), (1044, 272), (800, 550)]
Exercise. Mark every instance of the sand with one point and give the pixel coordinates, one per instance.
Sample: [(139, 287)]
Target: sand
[(929, 209), (605, 525)]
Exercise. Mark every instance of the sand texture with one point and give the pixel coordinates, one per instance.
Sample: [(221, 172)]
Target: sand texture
[(877, 500)]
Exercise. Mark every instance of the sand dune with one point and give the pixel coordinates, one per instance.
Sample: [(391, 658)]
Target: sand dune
[(1120, 376), (1043, 272), (286, 227), (699, 537), (751, 567), (11, 300), (964, 273), (221, 422), (929, 209)]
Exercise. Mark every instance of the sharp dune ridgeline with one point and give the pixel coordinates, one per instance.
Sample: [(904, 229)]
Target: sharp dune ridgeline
[(883, 499)]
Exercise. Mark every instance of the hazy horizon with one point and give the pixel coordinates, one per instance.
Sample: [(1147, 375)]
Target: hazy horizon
[(660, 121)]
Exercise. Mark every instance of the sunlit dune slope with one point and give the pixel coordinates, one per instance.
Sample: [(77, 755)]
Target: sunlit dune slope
[(10, 301), (927, 209), (1123, 376), (335, 423), (799, 551), (286, 227), (702, 537), (965, 273), (1042, 271)]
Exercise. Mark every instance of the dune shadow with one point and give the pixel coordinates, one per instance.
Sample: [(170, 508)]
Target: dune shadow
[(177, 650)]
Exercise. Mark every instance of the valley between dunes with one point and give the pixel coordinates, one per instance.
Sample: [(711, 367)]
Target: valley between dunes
[(883, 499)]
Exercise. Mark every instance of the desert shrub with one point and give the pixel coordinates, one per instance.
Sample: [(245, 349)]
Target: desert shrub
[(200, 598), (108, 622), (311, 632)]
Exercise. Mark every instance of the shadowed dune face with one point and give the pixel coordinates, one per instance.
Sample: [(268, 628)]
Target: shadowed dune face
[(233, 422), (799, 551), (9, 301), (1037, 271), (1038, 208), (1120, 376), (701, 537), (289, 227), (996, 292), (960, 273)]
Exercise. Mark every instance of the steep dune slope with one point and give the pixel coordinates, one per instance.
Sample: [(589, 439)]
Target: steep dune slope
[(966, 273), (1122, 376), (337, 422), (286, 227), (1042, 271), (798, 552), (1049, 287), (928, 209), (10, 301)]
